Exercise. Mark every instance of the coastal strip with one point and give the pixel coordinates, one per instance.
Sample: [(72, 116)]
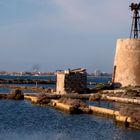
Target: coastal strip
[(64, 106)]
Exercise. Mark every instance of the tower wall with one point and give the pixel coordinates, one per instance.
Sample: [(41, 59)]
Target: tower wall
[(127, 62)]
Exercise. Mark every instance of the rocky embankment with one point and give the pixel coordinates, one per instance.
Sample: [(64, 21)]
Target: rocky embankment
[(74, 103), (130, 109), (16, 94), (62, 102)]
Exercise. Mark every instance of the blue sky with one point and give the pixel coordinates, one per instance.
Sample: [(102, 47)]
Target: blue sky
[(61, 34)]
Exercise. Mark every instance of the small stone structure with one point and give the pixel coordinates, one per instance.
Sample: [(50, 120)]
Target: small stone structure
[(127, 62), (71, 81)]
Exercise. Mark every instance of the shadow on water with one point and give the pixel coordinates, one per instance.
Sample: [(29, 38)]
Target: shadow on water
[(20, 120)]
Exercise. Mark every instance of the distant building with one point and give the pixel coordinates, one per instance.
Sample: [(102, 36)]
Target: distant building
[(100, 73), (71, 81), (97, 73)]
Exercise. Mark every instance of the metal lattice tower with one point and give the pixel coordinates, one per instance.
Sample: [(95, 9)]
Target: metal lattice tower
[(135, 28)]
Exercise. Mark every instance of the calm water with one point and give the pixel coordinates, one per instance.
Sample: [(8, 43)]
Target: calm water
[(20, 120), (89, 79), (5, 90), (101, 79), (27, 77)]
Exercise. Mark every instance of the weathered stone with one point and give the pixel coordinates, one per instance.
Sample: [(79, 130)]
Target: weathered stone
[(71, 81), (16, 94), (127, 63)]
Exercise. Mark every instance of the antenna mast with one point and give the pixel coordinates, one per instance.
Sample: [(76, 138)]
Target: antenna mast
[(135, 28)]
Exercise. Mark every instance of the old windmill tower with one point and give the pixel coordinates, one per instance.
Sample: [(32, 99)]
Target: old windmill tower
[(127, 57)]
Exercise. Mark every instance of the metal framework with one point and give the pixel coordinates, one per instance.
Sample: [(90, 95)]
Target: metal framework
[(135, 28)]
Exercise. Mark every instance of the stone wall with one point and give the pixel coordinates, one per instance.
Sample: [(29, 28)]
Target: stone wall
[(72, 81), (60, 78)]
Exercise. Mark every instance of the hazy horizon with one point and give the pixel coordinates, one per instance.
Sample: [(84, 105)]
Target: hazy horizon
[(61, 34)]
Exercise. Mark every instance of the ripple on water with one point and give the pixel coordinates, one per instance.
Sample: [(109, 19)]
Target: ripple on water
[(20, 120)]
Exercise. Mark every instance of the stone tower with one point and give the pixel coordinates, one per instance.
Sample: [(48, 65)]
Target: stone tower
[(127, 58)]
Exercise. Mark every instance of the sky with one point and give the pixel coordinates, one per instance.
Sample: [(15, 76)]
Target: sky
[(61, 34)]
